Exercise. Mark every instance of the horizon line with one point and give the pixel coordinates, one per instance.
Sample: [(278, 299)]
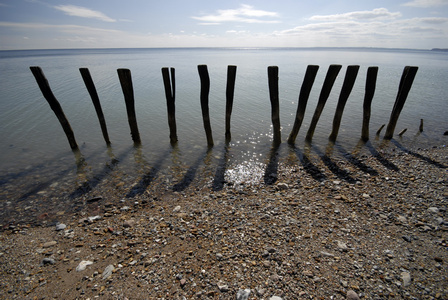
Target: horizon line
[(230, 48)]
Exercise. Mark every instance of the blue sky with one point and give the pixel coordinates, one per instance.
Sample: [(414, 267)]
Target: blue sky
[(50, 24)]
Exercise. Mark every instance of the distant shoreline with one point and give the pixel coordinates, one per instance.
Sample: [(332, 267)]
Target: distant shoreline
[(238, 48)]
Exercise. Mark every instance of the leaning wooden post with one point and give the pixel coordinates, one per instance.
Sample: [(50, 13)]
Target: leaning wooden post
[(372, 73), (230, 91), (128, 92), (330, 78), (54, 104), (205, 90), (88, 81), (275, 107), (407, 78), (170, 93), (305, 90), (347, 86)]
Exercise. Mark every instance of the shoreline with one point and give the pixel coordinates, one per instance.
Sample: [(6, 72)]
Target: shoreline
[(376, 225)]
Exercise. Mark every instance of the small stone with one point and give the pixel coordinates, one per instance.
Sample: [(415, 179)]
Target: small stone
[(49, 244), (177, 208), (438, 259), (94, 199), (351, 295), (275, 298), (433, 210), (406, 278), (308, 274), (83, 265), (271, 250), (48, 261), (407, 238), (108, 271), (93, 219), (342, 246), (402, 219), (282, 186), (60, 227), (222, 287), (243, 294), (183, 281), (129, 223), (326, 254)]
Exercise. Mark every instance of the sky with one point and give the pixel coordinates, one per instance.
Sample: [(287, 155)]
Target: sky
[(51, 24)]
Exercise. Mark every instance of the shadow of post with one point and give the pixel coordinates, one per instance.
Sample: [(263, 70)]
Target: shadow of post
[(219, 179), (191, 172), (271, 172), (91, 183), (417, 155), (309, 167), (331, 165), (356, 161), (149, 176)]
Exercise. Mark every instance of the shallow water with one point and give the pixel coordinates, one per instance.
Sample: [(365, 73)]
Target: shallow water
[(35, 153)]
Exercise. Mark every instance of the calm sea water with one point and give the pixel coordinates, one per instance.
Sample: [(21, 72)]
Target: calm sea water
[(33, 142)]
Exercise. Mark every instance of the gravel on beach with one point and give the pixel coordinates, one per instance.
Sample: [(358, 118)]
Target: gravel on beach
[(364, 227)]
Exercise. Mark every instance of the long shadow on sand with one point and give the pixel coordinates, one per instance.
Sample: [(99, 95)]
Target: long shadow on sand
[(355, 161), (191, 172), (309, 167), (90, 184), (219, 178), (331, 165), (271, 172), (419, 156)]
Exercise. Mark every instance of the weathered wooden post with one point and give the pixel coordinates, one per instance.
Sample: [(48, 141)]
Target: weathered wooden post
[(305, 90), (88, 81), (205, 90), (407, 78), (378, 132), (275, 107), (372, 73), (55, 106), (170, 93), (128, 92), (420, 128), (347, 86), (230, 91), (332, 73)]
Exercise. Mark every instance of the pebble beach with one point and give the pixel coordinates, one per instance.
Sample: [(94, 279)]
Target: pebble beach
[(367, 226)]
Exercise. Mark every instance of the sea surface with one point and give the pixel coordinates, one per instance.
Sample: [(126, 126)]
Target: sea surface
[(35, 154)]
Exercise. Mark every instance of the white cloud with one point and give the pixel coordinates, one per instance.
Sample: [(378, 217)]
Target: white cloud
[(426, 3), (83, 12), (243, 14), (375, 14)]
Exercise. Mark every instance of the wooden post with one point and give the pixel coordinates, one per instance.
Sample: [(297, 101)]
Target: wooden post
[(330, 78), (128, 92), (372, 73), (54, 104), (205, 90), (379, 130), (275, 107), (230, 91), (88, 81), (308, 81), (170, 93), (347, 86), (420, 129), (406, 81), (402, 132)]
